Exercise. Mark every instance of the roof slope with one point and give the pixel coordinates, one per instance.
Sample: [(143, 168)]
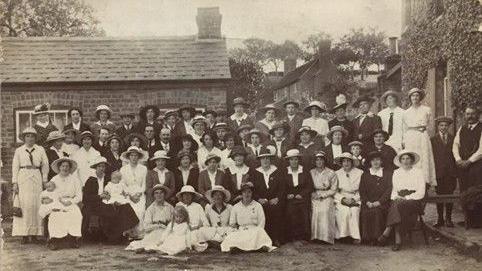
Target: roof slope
[(50, 59), (294, 75)]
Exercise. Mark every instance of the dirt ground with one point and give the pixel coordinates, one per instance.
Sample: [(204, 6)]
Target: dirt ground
[(297, 256)]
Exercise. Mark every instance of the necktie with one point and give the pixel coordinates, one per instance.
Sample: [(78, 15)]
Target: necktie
[(30, 156), (445, 139), (390, 124), (256, 151)]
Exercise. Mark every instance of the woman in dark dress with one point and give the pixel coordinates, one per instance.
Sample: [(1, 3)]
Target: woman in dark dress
[(388, 153), (307, 147), (336, 135), (185, 173), (238, 173), (148, 115), (113, 154), (375, 189), (104, 221), (43, 124)]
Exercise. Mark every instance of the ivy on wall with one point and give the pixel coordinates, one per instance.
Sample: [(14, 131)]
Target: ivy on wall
[(453, 37)]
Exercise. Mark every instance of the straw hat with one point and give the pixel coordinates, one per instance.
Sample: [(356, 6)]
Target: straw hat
[(199, 119), (417, 90), (237, 150), (170, 113), (243, 127), (345, 155), (364, 98), (55, 164), (355, 143), (54, 135), (338, 106), (85, 134), (133, 149), (337, 128), (389, 93), (320, 154), (307, 129), (414, 155), (219, 188), (269, 151), (380, 131), (292, 153), (99, 160), (296, 104), (281, 124), (187, 189), (162, 187), (161, 154), (41, 109), (321, 106), (211, 156), (443, 119), (26, 131), (270, 107), (240, 101), (103, 107)]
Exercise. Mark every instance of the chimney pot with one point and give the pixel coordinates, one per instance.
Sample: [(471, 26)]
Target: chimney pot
[(209, 23)]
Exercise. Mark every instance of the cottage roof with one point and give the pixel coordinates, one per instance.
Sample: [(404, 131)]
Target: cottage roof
[(50, 59), (295, 75)]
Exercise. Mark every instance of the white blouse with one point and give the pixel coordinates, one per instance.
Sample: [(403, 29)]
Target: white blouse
[(247, 215), (239, 172), (295, 175), (21, 159), (218, 219), (267, 173), (134, 176), (412, 179), (320, 125), (348, 184), (202, 153), (417, 116), (68, 187), (84, 160), (197, 216)]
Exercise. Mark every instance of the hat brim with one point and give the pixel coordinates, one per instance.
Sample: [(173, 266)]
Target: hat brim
[(227, 194), (308, 108), (154, 158), (330, 133), (195, 194), (415, 155), (338, 160), (217, 158), (336, 107), (167, 190), (293, 156), (96, 164), (55, 164), (82, 136), (313, 133), (421, 92), (48, 140), (97, 113), (363, 99), (284, 127), (22, 135), (293, 103), (126, 154)]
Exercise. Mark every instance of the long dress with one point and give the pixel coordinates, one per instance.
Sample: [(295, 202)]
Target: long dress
[(197, 220), (219, 223), (323, 223), (347, 218), (175, 239), (395, 139), (250, 234), (418, 141), (135, 180), (156, 220), (66, 223), (29, 183), (374, 186), (84, 159)]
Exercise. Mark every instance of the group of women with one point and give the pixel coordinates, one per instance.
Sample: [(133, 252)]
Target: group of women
[(185, 181)]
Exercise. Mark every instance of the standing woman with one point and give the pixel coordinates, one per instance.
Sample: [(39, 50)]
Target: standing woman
[(271, 113), (299, 186), (148, 116), (375, 190), (43, 124), (341, 120), (239, 173), (416, 119), (307, 147), (76, 121), (113, 154), (325, 182), (185, 173), (30, 167), (336, 135), (207, 148), (239, 117), (159, 175), (391, 118), (347, 198), (70, 144), (85, 156), (199, 124), (407, 192), (68, 224), (103, 114), (316, 121)]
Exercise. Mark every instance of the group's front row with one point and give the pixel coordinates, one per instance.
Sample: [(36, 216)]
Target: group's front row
[(270, 206)]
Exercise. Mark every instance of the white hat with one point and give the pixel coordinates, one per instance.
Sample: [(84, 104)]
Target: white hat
[(159, 186), (318, 104), (161, 154), (54, 135), (227, 194), (417, 90), (187, 189), (28, 130), (99, 160), (345, 155), (132, 149), (292, 153), (55, 164), (414, 155)]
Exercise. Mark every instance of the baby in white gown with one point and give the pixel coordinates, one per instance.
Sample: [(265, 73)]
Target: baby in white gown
[(116, 189)]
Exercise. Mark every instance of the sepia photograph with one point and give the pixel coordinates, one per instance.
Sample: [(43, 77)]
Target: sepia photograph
[(241, 135)]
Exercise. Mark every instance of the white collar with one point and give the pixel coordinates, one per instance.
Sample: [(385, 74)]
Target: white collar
[(254, 147), (306, 146), (160, 171), (108, 122), (239, 170), (53, 148), (43, 124), (300, 170), (234, 117), (181, 169), (378, 173), (268, 124), (271, 169)]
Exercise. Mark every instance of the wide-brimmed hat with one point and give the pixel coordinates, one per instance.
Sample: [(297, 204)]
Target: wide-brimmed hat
[(337, 128), (292, 153), (187, 189), (307, 129), (218, 188), (345, 155), (243, 127), (256, 131), (269, 151), (296, 104), (338, 106), (389, 93), (133, 149), (270, 107), (280, 125), (167, 190), (413, 154), (103, 107), (144, 109), (71, 130), (184, 153), (247, 185), (54, 135), (381, 131), (373, 154), (355, 143), (221, 125), (210, 111), (446, 119), (240, 101), (210, 157), (237, 150), (99, 160), (114, 137), (417, 90), (320, 154), (128, 138), (363, 98), (169, 113), (55, 164), (26, 131), (199, 119), (189, 108), (318, 104), (41, 109), (160, 154), (85, 134), (127, 114)]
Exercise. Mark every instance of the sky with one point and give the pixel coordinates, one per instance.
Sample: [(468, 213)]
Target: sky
[(276, 20)]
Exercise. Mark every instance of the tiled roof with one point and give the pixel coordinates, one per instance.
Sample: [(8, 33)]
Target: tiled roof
[(294, 75), (50, 59)]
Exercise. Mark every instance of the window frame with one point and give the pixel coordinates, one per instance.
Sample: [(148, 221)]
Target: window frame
[(17, 112)]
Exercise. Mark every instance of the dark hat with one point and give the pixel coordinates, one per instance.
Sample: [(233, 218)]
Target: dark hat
[(443, 119), (338, 106), (380, 131), (296, 104), (247, 185), (189, 108), (372, 155), (114, 137), (237, 150), (281, 124), (243, 127), (183, 153), (141, 137), (144, 109), (269, 151), (212, 112), (241, 101), (83, 135), (363, 98), (41, 109)]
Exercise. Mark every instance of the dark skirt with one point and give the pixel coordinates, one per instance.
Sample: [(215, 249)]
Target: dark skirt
[(404, 213), (446, 185), (372, 222), (297, 226), (274, 222)]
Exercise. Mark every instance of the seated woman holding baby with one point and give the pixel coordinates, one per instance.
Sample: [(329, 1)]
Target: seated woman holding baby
[(108, 216)]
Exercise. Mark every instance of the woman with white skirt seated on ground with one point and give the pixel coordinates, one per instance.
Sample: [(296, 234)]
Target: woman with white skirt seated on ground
[(218, 212), (68, 187), (156, 219), (248, 220)]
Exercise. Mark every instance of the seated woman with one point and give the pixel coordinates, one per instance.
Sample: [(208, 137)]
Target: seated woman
[(103, 221), (347, 198), (156, 219), (218, 212), (307, 147), (247, 219), (113, 154), (387, 152), (207, 148), (66, 225), (185, 173), (375, 190), (159, 175), (229, 143), (299, 186), (197, 216), (239, 173), (336, 135), (325, 182), (407, 192)]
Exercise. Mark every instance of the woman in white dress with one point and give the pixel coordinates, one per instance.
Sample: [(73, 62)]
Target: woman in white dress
[(416, 119), (134, 177), (248, 220), (323, 224), (347, 198), (316, 121), (206, 148), (68, 223), (218, 212), (30, 167), (156, 219), (85, 156)]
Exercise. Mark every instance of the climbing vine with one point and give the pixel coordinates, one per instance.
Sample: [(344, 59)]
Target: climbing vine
[(452, 36)]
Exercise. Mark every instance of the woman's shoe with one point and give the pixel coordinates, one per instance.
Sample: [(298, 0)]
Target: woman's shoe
[(440, 223), (382, 240), (52, 244), (396, 247), (449, 224), (75, 242)]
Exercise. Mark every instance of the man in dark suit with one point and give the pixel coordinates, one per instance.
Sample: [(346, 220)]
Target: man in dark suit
[(293, 118), (152, 144), (445, 169), (366, 122), (127, 127), (76, 122), (101, 142), (239, 117)]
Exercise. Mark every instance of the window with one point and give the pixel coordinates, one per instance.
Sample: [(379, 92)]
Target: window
[(25, 118)]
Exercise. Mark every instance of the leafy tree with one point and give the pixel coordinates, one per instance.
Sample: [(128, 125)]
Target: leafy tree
[(247, 79), (311, 44), (20, 18), (277, 53)]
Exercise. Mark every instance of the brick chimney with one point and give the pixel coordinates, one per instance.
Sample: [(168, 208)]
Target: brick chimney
[(289, 64), (209, 23), (392, 44), (324, 49)]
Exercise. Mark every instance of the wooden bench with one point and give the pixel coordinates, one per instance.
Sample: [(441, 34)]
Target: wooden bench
[(450, 198)]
